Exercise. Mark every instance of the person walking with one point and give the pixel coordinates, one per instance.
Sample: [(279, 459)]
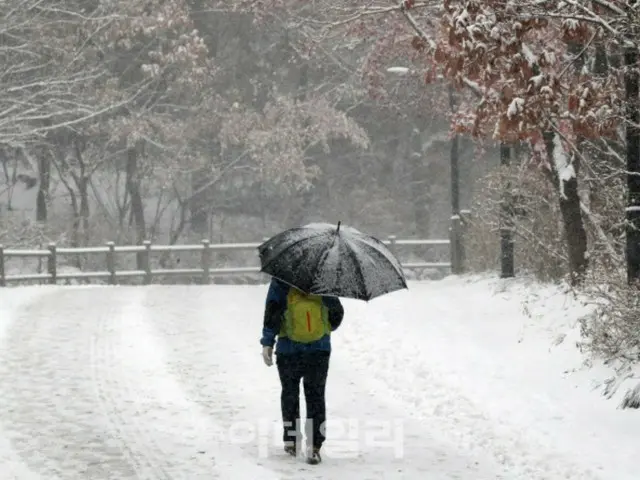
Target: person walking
[(302, 324)]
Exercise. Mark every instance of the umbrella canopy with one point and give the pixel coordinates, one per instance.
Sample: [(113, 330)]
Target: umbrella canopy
[(325, 259)]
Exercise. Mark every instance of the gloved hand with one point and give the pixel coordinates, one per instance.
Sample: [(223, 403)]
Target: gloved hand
[(267, 356)]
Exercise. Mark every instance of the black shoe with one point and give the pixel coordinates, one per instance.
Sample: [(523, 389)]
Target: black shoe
[(291, 450), (313, 456)]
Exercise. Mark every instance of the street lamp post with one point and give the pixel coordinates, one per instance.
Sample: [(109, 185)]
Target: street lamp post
[(506, 221), (457, 248), (457, 245)]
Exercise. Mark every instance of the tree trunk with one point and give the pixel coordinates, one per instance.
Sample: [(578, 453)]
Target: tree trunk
[(574, 231), (122, 200), (199, 201), (137, 205), (62, 170), (82, 183), (83, 191), (632, 117), (76, 235), (44, 172), (9, 177), (175, 233), (75, 225)]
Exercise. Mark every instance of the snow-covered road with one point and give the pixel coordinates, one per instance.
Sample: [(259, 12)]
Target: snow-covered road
[(449, 380)]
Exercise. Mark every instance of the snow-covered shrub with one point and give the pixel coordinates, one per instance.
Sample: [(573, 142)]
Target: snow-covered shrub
[(632, 398), (613, 329), (539, 246)]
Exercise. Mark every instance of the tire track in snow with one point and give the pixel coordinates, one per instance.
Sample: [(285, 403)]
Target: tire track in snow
[(11, 302), (179, 440), (48, 405), (204, 358), (118, 403), (86, 395)]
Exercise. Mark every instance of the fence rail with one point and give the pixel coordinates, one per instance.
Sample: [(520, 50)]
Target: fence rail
[(204, 272)]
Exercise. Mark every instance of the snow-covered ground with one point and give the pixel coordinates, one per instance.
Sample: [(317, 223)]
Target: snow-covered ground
[(469, 379)]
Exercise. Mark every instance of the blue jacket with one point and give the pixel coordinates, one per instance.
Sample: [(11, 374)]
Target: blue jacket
[(276, 304)]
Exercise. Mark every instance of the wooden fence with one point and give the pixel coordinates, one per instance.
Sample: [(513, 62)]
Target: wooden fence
[(204, 273)]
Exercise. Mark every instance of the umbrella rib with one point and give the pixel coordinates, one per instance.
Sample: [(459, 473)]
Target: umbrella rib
[(383, 256), (352, 254), (304, 239), (378, 249), (321, 258)]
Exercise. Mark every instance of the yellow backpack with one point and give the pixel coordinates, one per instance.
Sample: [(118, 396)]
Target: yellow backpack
[(306, 318)]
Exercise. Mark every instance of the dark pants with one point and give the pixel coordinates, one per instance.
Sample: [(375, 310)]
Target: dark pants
[(312, 369)]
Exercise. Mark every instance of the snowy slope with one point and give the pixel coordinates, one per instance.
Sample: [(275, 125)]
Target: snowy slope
[(467, 376)]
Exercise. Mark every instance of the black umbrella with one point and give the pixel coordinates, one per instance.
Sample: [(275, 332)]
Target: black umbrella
[(332, 260)]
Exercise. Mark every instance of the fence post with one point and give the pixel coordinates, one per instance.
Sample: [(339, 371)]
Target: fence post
[(465, 218), (52, 264), (392, 244), (265, 276), (147, 262), (111, 262), (3, 278), (206, 262), (455, 243)]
